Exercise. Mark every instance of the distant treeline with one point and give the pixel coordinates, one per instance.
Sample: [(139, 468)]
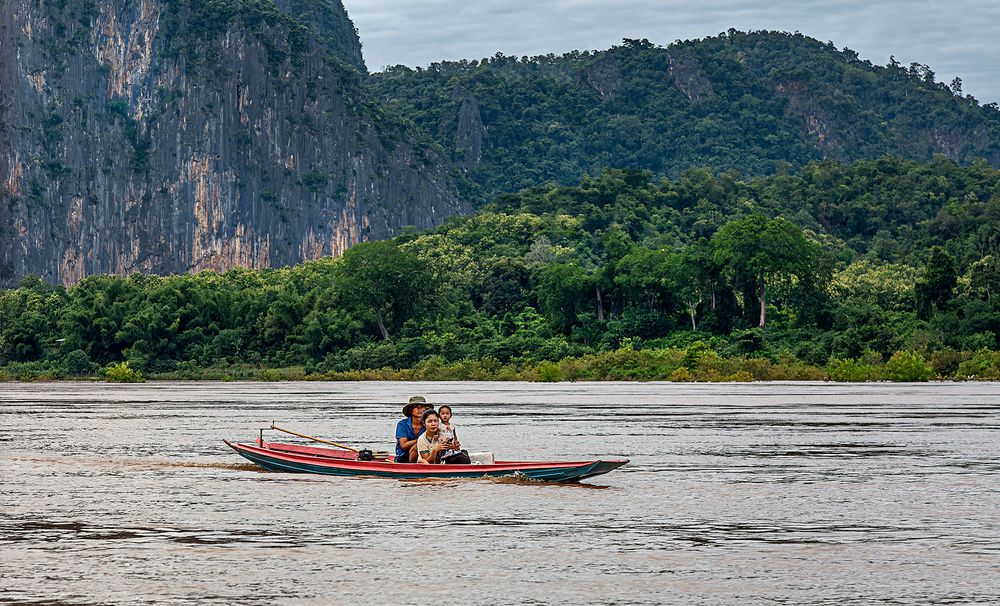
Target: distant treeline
[(881, 269)]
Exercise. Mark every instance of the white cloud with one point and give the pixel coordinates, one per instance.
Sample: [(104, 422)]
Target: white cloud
[(959, 38)]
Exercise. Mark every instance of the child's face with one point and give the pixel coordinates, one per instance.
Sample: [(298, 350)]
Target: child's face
[(445, 415)]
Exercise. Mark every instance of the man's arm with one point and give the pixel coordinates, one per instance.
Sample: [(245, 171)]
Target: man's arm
[(404, 443)]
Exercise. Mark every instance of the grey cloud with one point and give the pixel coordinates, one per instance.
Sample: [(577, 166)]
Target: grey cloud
[(960, 38)]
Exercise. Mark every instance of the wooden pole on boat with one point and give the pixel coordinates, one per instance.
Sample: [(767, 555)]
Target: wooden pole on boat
[(378, 454), (314, 439)]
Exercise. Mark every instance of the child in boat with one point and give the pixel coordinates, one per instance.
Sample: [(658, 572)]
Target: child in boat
[(447, 428), (454, 454)]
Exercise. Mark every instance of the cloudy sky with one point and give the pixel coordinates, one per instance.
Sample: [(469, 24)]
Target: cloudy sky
[(956, 37)]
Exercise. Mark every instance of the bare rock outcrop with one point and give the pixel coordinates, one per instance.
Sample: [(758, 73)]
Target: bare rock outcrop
[(604, 77), (129, 144), (688, 75), (816, 120), (471, 131)]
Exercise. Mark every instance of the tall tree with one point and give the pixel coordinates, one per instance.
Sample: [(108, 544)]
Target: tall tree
[(639, 276), (756, 250), (392, 284), (562, 290), (935, 289), (984, 277), (688, 278)]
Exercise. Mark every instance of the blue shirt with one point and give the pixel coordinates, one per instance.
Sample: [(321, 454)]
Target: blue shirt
[(404, 429)]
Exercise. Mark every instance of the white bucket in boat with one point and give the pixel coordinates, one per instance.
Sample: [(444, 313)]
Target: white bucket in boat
[(482, 458)]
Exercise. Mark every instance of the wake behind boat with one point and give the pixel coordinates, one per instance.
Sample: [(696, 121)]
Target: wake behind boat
[(295, 458)]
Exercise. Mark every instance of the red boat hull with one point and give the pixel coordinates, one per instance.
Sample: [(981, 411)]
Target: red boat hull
[(327, 461)]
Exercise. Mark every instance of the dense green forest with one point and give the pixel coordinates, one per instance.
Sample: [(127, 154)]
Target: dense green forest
[(752, 102), (879, 269)]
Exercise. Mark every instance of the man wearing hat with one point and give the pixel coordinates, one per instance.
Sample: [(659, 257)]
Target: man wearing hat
[(409, 429)]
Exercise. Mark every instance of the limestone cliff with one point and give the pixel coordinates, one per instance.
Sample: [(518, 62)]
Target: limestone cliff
[(688, 74), (470, 133), (171, 136)]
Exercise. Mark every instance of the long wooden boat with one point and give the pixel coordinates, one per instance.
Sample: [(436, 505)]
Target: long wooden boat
[(328, 461)]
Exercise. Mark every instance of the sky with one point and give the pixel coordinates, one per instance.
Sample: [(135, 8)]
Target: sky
[(955, 38)]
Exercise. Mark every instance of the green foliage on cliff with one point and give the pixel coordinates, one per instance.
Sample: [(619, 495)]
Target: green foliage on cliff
[(329, 22), (192, 27), (750, 102), (622, 276)]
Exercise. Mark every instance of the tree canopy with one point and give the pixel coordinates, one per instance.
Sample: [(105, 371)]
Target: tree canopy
[(757, 103), (774, 269)]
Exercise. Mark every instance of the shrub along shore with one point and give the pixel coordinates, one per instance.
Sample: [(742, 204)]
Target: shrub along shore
[(696, 363)]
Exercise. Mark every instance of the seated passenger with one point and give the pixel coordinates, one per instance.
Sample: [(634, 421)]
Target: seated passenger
[(409, 429), (432, 444), (429, 444)]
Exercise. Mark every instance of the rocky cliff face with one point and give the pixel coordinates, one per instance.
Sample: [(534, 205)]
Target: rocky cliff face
[(163, 136), (470, 133), (688, 75)]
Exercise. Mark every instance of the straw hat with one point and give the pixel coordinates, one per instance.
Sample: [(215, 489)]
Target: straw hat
[(415, 401)]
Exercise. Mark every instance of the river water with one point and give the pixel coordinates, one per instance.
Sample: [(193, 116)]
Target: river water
[(736, 494)]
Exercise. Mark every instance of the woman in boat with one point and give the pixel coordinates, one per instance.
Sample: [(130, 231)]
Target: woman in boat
[(409, 429), (431, 444)]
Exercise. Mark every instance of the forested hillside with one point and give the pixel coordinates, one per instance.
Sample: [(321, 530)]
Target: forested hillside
[(747, 206), (750, 102), (876, 269)]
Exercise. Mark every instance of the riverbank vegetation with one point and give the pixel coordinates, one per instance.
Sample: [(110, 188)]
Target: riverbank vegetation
[(876, 270)]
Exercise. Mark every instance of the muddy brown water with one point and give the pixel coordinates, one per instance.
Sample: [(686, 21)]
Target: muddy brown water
[(736, 494)]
